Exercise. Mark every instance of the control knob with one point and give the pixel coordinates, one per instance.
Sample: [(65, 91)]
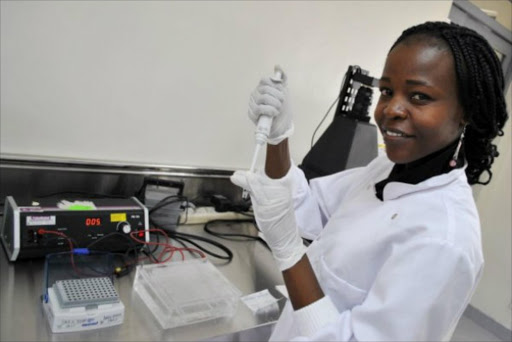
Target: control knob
[(124, 227)]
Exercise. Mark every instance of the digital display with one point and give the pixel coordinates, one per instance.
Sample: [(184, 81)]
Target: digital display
[(93, 222)]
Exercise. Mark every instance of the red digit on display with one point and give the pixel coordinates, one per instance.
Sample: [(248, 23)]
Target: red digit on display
[(93, 222)]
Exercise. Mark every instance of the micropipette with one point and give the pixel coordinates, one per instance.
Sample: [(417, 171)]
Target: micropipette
[(263, 128)]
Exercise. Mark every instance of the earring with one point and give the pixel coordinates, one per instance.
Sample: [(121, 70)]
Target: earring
[(453, 161)]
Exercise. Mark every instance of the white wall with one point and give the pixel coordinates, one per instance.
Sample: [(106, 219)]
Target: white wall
[(168, 82), (493, 295)]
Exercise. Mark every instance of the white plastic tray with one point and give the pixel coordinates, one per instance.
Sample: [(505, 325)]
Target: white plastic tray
[(185, 292)]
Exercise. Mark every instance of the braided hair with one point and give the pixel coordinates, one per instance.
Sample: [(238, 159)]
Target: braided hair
[(480, 84)]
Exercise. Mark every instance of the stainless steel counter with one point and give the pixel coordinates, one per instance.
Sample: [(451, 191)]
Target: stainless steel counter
[(252, 269)]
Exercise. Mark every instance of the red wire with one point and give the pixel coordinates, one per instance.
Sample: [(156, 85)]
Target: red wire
[(42, 231), (168, 248)]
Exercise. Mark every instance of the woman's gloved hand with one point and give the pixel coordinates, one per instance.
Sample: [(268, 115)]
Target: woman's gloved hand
[(271, 98), (273, 208)]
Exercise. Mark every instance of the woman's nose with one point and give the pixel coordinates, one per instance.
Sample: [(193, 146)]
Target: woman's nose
[(395, 109)]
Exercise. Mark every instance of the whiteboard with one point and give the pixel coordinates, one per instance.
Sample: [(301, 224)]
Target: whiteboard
[(168, 82)]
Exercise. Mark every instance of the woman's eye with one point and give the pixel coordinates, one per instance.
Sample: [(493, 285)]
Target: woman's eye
[(420, 97), (385, 91)]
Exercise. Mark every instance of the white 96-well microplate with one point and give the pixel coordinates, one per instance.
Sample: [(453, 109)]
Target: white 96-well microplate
[(86, 291)]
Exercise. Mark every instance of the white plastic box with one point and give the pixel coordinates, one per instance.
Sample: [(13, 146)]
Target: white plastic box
[(91, 303), (185, 292)]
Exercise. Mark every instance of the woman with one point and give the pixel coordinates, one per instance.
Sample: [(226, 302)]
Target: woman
[(396, 251)]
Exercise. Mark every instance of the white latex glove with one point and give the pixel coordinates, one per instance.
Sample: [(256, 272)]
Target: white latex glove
[(271, 98), (273, 208)]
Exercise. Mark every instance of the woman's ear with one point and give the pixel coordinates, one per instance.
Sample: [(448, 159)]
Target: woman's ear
[(460, 115)]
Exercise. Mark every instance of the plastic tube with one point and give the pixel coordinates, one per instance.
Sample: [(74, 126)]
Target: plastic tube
[(263, 129)]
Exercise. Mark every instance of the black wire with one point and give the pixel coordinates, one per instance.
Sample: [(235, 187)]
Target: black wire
[(186, 213), (158, 226), (327, 113), (133, 245), (325, 116), (231, 236), (165, 201), (180, 237), (154, 224), (125, 256), (160, 204), (124, 236), (150, 255), (188, 238), (182, 244), (128, 264)]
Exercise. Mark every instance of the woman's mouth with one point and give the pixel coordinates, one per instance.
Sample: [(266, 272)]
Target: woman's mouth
[(394, 133)]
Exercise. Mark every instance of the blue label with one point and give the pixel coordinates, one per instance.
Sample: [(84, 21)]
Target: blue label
[(87, 324)]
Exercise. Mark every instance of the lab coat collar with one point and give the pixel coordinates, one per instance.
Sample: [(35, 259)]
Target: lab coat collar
[(394, 190)]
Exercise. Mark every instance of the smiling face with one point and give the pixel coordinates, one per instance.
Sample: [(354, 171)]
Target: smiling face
[(418, 111)]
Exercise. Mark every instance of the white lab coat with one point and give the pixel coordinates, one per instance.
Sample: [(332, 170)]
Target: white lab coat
[(402, 269)]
